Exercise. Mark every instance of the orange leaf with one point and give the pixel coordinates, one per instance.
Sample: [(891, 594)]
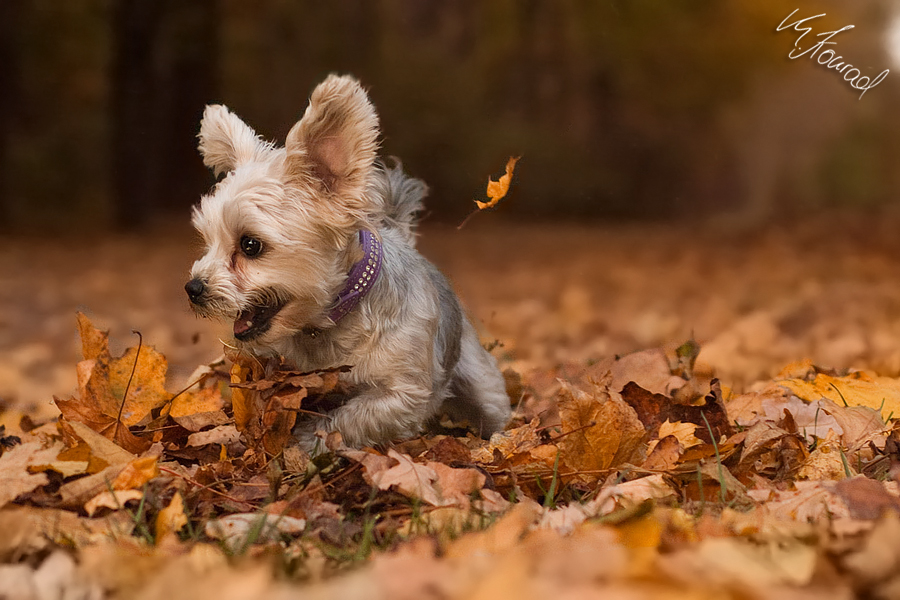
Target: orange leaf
[(498, 189), (171, 519), (94, 343), (599, 431), (136, 473)]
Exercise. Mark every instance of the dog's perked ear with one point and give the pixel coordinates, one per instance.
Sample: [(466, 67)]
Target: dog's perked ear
[(226, 141), (334, 146)]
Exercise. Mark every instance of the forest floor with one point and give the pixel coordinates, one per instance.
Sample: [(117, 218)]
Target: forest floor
[(559, 303)]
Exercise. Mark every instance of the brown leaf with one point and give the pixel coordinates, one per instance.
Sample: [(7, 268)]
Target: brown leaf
[(649, 369), (94, 343), (224, 435), (510, 443), (75, 493), (101, 447), (409, 478), (654, 409), (15, 477), (278, 424), (866, 498), (665, 455), (457, 484), (599, 431), (449, 451), (242, 400)]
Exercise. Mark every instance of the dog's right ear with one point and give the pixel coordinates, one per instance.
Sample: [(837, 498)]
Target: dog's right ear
[(227, 142)]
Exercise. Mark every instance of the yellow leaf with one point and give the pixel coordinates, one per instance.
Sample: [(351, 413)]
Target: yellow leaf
[(498, 189), (855, 389), (171, 519), (683, 432), (201, 401)]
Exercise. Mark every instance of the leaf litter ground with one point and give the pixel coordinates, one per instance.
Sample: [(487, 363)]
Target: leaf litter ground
[(635, 476)]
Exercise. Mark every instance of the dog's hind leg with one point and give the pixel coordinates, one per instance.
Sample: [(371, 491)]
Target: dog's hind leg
[(477, 389)]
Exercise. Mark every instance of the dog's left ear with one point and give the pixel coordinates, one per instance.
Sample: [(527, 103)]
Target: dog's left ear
[(333, 147)]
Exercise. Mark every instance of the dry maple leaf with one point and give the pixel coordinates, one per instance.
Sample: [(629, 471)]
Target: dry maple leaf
[(496, 190), (116, 393), (599, 431)]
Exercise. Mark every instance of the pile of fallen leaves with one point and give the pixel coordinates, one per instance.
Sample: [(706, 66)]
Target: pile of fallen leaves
[(636, 477)]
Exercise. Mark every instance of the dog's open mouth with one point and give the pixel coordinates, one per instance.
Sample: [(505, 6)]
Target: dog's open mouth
[(255, 321)]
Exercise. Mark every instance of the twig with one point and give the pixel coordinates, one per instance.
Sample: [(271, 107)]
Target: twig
[(203, 487), (137, 355)]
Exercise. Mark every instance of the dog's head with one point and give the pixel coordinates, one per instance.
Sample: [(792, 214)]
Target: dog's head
[(279, 227)]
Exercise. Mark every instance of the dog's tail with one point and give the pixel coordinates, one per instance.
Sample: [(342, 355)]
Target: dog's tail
[(402, 199)]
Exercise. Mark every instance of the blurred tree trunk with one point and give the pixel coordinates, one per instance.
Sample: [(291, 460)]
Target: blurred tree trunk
[(192, 82), (136, 125), (9, 97)]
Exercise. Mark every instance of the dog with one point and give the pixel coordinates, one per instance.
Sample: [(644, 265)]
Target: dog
[(310, 251)]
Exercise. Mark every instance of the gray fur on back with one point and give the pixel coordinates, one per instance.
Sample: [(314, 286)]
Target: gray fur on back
[(403, 197)]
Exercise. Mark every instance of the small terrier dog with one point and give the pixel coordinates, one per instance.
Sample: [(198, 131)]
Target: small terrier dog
[(310, 250)]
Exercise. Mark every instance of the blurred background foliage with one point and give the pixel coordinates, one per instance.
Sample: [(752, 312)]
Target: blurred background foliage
[(621, 108)]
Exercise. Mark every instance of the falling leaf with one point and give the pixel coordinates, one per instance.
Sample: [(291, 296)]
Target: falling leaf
[(498, 189)]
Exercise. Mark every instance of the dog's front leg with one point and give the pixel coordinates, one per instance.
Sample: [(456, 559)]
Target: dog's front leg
[(377, 414)]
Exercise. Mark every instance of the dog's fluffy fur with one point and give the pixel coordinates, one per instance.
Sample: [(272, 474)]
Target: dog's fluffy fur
[(281, 233)]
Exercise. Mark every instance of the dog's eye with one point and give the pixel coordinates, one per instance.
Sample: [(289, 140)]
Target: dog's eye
[(250, 246)]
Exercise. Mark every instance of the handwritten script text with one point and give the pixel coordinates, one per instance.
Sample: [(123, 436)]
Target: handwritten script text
[(829, 56)]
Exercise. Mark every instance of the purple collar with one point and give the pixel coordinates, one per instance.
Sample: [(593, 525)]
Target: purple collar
[(361, 277)]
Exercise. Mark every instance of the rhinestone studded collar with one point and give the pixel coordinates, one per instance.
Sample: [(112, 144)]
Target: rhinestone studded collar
[(361, 277)]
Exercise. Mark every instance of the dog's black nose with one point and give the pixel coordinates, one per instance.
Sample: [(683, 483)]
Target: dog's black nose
[(195, 288)]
